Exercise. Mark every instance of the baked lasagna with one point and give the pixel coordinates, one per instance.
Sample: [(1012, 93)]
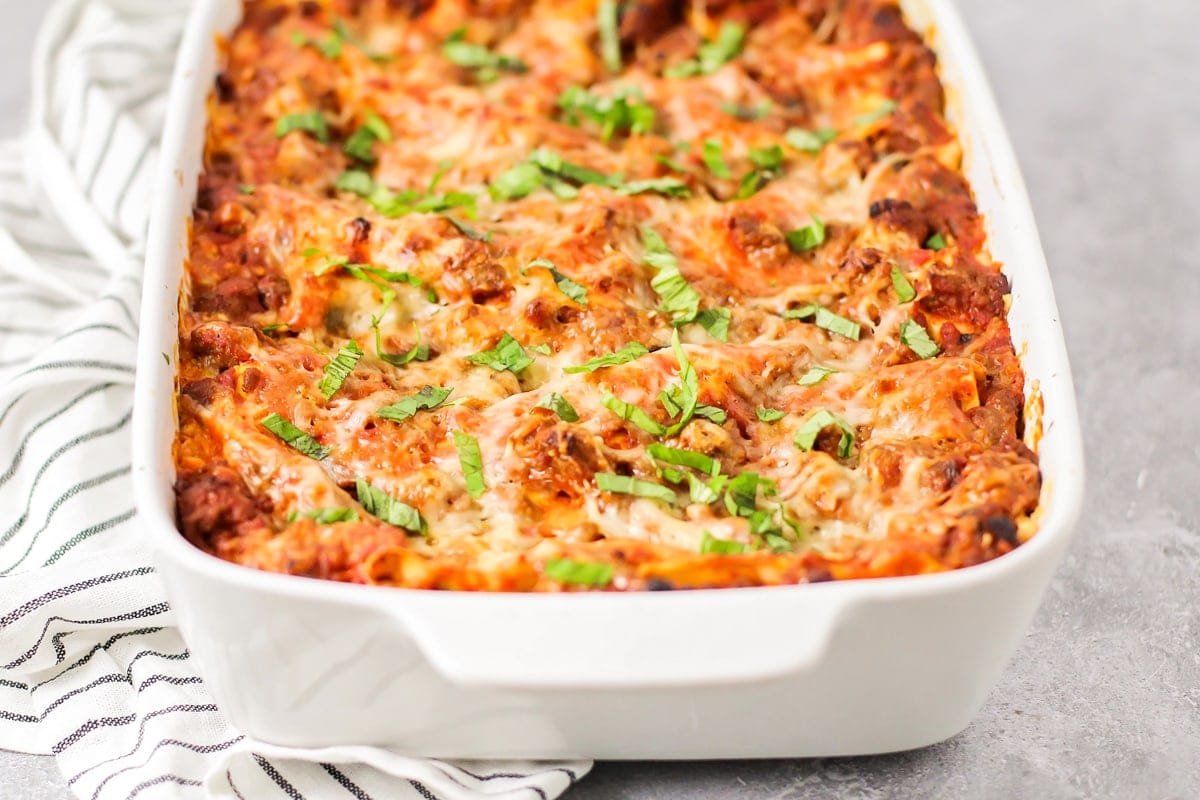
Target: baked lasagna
[(519, 295)]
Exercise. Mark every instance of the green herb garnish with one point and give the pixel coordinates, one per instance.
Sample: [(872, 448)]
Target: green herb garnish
[(294, 437), (630, 352), (471, 461), (486, 64), (815, 375), (310, 121), (809, 141), (881, 111), (428, 398), (326, 516), (582, 573), (711, 544), (822, 418), (711, 56), (361, 143), (916, 338), (610, 39), (570, 288), (631, 413), (808, 237), (904, 289), (622, 484), (339, 368), (714, 159), (383, 506), (508, 354), (559, 405), (684, 458)]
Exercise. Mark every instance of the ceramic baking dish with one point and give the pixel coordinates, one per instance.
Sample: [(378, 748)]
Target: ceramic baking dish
[(815, 670)]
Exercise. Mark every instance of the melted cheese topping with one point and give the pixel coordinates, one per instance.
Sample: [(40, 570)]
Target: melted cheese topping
[(287, 267)]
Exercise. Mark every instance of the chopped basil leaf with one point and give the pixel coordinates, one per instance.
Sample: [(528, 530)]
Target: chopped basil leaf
[(746, 113), (466, 230), (582, 573), (741, 493), (684, 458), (477, 57), (330, 46), (809, 141), (623, 111), (359, 145), (246, 188), (916, 338), (821, 419), (815, 375), (630, 352), (622, 484), (871, 117), (570, 288), (711, 544), (777, 543), (610, 39), (808, 237), (935, 242), (715, 415), (671, 164), (904, 289), (355, 181), (471, 461), (824, 318), (631, 413), (679, 299), (359, 182), (516, 182), (711, 56), (705, 492), (294, 437), (802, 312), (768, 158), (667, 187), (310, 121), (552, 162), (770, 414), (559, 405), (716, 322), (327, 516), (339, 368), (428, 398), (391, 276), (835, 323), (342, 30), (275, 326), (687, 395), (382, 505), (542, 348), (508, 354), (419, 352), (714, 159)]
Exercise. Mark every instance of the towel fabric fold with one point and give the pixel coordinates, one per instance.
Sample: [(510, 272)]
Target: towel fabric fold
[(92, 668)]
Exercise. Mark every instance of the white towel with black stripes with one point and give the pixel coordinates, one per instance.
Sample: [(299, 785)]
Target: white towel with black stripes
[(92, 668)]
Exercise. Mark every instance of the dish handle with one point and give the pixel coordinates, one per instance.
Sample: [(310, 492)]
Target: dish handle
[(569, 642)]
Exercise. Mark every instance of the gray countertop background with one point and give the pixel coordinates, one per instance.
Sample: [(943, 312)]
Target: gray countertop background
[(1102, 700)]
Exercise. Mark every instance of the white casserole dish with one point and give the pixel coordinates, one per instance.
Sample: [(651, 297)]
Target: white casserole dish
[(816, 670)]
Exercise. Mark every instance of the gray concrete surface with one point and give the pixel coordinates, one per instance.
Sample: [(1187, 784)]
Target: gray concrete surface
[(1102, 98)]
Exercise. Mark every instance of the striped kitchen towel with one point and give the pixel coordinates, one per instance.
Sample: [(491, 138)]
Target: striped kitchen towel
[(92, 668)]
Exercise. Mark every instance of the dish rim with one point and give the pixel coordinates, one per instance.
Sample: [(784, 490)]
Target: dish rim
[(1061, 498)]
